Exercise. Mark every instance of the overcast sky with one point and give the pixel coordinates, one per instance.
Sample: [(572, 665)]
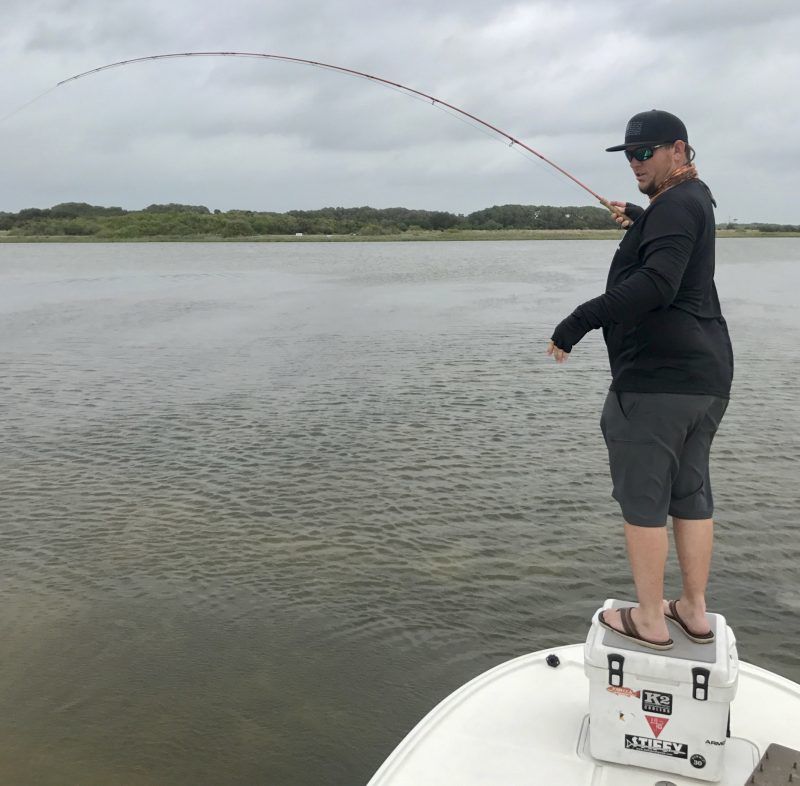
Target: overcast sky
[(563, 76)]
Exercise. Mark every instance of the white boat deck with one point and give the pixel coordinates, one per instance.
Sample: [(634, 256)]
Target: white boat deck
[(524, 722)]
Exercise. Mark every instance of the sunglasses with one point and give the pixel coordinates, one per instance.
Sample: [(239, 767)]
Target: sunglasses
[(644, 153)]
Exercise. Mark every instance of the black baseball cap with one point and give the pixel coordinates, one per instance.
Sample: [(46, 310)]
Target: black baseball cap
[(652, 128)]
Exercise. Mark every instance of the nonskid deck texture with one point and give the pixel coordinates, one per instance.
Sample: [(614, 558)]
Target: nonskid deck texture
[(525, 722)]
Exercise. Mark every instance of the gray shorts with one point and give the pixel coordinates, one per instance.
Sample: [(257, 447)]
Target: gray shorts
[(658, 447)]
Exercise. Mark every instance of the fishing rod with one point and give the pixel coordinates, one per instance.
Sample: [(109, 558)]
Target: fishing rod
[(512, 140)]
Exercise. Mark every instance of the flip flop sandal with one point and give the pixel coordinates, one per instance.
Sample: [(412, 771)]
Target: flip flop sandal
[(631, 633), (698, 638)]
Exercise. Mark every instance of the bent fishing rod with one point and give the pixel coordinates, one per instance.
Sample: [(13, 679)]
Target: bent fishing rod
[(512, 140)]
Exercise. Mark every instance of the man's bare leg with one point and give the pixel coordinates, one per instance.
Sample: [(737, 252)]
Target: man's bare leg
[(647, 553), (694, 539)]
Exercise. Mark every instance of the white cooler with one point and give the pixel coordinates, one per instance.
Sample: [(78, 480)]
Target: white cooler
[(666, 711)]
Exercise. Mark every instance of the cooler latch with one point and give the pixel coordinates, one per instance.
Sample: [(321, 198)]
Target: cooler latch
[(700, 678), (615, 674)]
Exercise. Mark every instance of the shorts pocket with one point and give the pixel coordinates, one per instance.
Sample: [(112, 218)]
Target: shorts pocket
[(618, 422), (627, 403), (714, 415)]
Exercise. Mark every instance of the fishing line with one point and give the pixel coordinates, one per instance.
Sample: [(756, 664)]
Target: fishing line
[(27, 104), (511, 140)]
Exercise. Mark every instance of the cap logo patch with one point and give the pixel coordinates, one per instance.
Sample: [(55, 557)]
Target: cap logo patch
[(634, 128)]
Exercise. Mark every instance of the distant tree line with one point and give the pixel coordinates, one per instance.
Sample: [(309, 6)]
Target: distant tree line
[(192, 221), (174, 220), (761, 227)]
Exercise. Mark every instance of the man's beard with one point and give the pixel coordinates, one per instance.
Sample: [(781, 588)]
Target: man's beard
[(649, 189)]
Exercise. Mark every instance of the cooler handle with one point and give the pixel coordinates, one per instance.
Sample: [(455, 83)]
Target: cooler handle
[(700, 677), (615, 671)]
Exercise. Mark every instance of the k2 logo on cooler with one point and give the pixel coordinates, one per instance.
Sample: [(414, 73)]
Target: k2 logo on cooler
[(660, 703), (677, 750)]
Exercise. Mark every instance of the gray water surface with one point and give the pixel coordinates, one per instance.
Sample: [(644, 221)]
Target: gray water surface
[(263, 505)]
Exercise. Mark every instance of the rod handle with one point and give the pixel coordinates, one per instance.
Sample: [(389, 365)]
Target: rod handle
[(617, 212)]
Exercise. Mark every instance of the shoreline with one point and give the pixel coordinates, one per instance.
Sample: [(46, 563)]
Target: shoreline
[(404, 237)]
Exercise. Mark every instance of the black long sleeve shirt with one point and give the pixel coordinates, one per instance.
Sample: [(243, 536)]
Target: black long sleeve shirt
[(660, 314)]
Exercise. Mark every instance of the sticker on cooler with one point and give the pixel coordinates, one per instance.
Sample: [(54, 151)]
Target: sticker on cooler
[(656, 724), (660, 703), (631, 694), (678, 750)]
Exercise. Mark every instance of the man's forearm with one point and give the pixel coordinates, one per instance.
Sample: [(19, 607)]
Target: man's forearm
[(628, 302)]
